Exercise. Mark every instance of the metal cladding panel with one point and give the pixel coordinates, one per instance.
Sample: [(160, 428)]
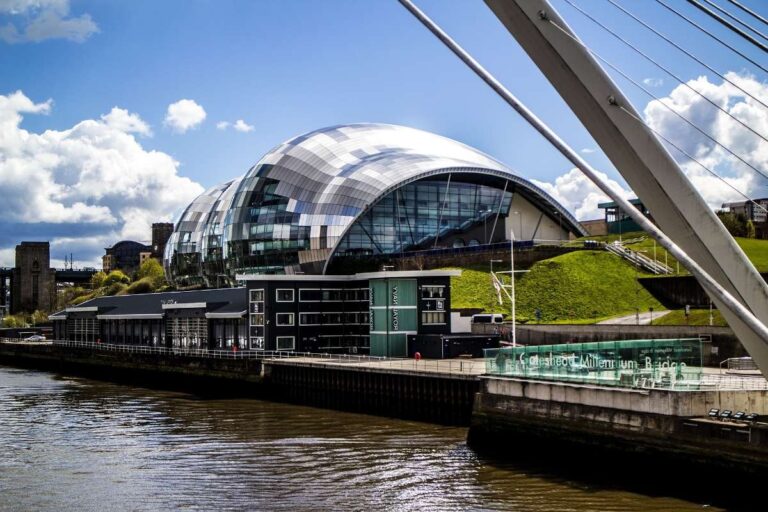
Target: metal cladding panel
[(330, 176), (290, 210)]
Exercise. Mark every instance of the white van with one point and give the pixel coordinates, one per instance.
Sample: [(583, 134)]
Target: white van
[(488, 318)]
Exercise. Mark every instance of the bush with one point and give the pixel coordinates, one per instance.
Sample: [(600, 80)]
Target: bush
[(115, 277), (14, 321), (144, 285), (115, 288), (152, 270), (98, 279), (39, 317)]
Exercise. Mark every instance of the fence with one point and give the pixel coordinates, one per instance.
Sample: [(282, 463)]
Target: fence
[(448, 366)]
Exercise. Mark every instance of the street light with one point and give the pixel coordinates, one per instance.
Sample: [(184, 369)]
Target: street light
[(512, 277), (495, 261)]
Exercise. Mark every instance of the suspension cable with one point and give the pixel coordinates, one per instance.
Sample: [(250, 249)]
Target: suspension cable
[(705, 31), (692, 158), (686, 52), (664, 69), (728, 24), (748, 11), (736, 19), (650, 94)]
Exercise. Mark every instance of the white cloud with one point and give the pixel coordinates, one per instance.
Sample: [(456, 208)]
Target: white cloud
[(242, 126), (239, 125), (92, 182), (587, 151), (127, 122), (579, 195), (184, 115), (724, 129), (653, 82), (39, 20)]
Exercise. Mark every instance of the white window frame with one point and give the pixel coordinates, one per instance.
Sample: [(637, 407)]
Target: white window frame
[(277, 343), (277, 294), (292, 321), (309, 290), (308, 313)]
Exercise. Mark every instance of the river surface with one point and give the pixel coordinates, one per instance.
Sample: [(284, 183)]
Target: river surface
[(76, 444)]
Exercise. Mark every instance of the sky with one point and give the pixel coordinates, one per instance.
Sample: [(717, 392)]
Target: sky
[(116, 114)]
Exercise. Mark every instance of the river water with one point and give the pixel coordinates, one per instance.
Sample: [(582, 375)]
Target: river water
[(76, 444)]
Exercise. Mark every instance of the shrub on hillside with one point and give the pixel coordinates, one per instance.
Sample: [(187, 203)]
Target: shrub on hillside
[(116, 277), (153, 271), (144, 285), (115, 288), (98, 279)]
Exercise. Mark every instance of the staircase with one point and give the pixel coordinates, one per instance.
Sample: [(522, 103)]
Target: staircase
[(638, 259)]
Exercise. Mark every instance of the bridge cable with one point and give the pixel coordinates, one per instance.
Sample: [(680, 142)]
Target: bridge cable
[(653, 96), (705, 31), (737, 20), (665, 70), (748, 11), (686, 52), (728, 24), (713, 173)]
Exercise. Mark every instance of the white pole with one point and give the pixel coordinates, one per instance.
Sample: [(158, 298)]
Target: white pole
[(512, 276)]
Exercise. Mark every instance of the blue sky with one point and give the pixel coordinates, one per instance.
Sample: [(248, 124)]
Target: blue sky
[(285, 67)]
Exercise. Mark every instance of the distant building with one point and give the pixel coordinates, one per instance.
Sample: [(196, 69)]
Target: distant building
[(34, 281), (161, 232), (617, 221), (750, 211), (126, 256), (596, 227)]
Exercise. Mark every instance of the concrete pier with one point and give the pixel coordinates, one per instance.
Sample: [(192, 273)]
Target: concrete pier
[(666, 424)]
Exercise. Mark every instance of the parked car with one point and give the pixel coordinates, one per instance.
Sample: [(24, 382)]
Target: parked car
[(35, 337)]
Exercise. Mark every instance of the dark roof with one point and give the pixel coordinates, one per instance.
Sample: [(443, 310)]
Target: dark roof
[(612, 204), (219, 300)]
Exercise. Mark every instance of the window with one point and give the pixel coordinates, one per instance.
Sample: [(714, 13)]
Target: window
[(284, 319), (257, 319), (432, 292), (309, 295), (284, 295), (257, 343), (309, 318), (257, 295), (433, 317), (285, 342)]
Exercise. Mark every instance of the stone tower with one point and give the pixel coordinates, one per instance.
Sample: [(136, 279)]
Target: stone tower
[(161, 232), (34, 281)]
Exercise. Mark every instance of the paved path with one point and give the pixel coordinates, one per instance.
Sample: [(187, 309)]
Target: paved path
[(645, 319)]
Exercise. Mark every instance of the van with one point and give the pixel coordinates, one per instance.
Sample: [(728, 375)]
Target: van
[(488, 318)]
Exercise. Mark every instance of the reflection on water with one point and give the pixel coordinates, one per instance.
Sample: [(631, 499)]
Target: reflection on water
[(74, 444)]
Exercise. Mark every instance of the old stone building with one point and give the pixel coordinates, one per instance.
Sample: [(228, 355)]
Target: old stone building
[(34, 281)]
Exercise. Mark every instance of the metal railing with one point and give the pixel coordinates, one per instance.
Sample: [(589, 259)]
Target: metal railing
[(739, 363), (445, 366), (638, 259)]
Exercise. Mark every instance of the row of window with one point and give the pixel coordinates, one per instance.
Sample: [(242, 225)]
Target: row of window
[(332, 318), (433, 317), (281, 343), (315, 295)]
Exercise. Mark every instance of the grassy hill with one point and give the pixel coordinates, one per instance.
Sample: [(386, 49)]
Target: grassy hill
[(756, 250), (576, 287)]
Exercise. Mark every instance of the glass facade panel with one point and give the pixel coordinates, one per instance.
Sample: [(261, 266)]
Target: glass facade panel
[(671, 364)]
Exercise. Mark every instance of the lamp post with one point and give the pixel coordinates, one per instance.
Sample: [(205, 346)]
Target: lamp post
[(512, 277), (495, 261), (519, 223)]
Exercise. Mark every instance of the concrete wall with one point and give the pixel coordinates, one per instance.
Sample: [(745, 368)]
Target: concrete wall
[(678, 291), (530, 223)]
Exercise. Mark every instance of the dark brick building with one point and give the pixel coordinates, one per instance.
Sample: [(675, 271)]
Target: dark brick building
[(161, 232)]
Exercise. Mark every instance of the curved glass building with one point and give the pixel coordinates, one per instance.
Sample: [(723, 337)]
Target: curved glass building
[(342, 198)]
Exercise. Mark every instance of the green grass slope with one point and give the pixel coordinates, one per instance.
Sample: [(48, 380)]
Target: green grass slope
[(576, 287), (756, 250), (697, 317)]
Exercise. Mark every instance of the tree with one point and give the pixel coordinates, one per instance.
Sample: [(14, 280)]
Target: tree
[(98, 279), (151, 271), (736, 224), (750, 229)]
